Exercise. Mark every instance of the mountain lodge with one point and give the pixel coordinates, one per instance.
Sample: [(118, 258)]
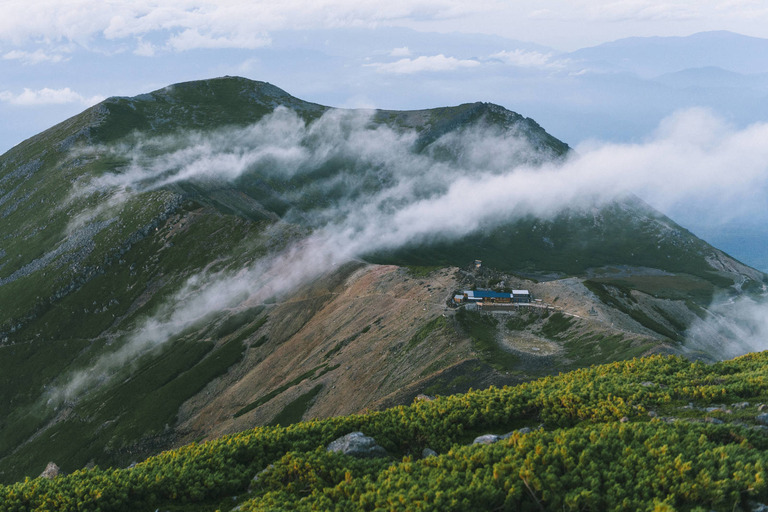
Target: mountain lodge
[(491, 297)]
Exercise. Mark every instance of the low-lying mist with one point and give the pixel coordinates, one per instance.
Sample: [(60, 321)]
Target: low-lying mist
[(363, 187), (733, 328)]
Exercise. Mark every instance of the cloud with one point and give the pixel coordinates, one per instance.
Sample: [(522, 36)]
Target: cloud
[(144, 48), (693, 158), (734, 327), (384, 194), (46, 96), (400, 52), (545, 14), (627, 10), (435, 63), (36, 57), (190, 24), (645, 10), (529, 59), (191, 39)]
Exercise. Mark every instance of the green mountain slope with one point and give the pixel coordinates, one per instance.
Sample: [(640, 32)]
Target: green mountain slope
[(647, 434), (152, 296), (627, 232)]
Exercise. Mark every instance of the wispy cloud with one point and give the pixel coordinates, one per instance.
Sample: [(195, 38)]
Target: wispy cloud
[(385, 194), (627, 10), (35, 57), (690, 160), (188, 24), (441, 63), (144, 48), (191, 39), (645, 10), (734, 327), (46, 96), (530, 59), (434, 63)]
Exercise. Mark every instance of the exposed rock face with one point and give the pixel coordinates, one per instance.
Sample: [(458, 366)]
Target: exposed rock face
[(763, 418), (51, 471), (357, 445)]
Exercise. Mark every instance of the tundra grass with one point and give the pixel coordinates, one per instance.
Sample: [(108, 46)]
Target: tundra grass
[(482, 330), (123, 418), (294, 410), (556, 324), (437, 324), (272, 394)]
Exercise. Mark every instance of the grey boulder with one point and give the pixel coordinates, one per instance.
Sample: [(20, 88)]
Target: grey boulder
[(357, 445)]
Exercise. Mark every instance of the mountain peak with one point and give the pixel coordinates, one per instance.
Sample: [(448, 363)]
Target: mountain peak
[(225, 85), (199, 104)]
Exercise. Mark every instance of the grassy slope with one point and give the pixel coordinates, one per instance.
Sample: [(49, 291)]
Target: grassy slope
[(645, 434), (623, 233)]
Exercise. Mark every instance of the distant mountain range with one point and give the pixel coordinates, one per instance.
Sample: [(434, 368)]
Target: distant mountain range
[(649, 57), (219, 254)]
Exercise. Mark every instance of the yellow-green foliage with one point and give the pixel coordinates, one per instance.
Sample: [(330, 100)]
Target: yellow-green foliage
[(599, 450)]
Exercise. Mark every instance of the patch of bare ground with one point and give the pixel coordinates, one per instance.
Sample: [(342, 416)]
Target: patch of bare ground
[(528, 343), (369, 336), (354, 334), (574, 299)]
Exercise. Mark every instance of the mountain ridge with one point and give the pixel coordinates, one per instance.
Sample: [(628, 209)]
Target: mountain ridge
[(652, 56), (158, 303)]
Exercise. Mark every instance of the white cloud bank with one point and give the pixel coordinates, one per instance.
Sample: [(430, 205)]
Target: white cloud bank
[(530, 59), (645, 11), (733, 328), (402, 51), (187, 24), (384, 195), (47, 96), (36, 57), (433, 63)]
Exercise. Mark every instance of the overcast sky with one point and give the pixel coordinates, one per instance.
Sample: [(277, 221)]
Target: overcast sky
[(60, 56), (147, 26)]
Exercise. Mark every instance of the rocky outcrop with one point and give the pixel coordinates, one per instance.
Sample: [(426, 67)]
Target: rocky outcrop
[(487, 439), (492, 438), (428, 452), (357, 445), (51, 471)]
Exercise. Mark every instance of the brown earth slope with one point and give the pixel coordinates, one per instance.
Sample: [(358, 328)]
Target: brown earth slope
[(371, 336)]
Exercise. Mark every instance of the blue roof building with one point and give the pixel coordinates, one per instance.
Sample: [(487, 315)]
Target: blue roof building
[(517, 296)]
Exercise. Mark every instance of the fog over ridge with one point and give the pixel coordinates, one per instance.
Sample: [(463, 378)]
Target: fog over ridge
[(383, 194)]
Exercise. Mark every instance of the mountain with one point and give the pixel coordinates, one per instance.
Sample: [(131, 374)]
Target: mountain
[(653, 56), (712, 77), (218, 254)]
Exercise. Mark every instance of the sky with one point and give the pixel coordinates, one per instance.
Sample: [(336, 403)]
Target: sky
[(58, 57)]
